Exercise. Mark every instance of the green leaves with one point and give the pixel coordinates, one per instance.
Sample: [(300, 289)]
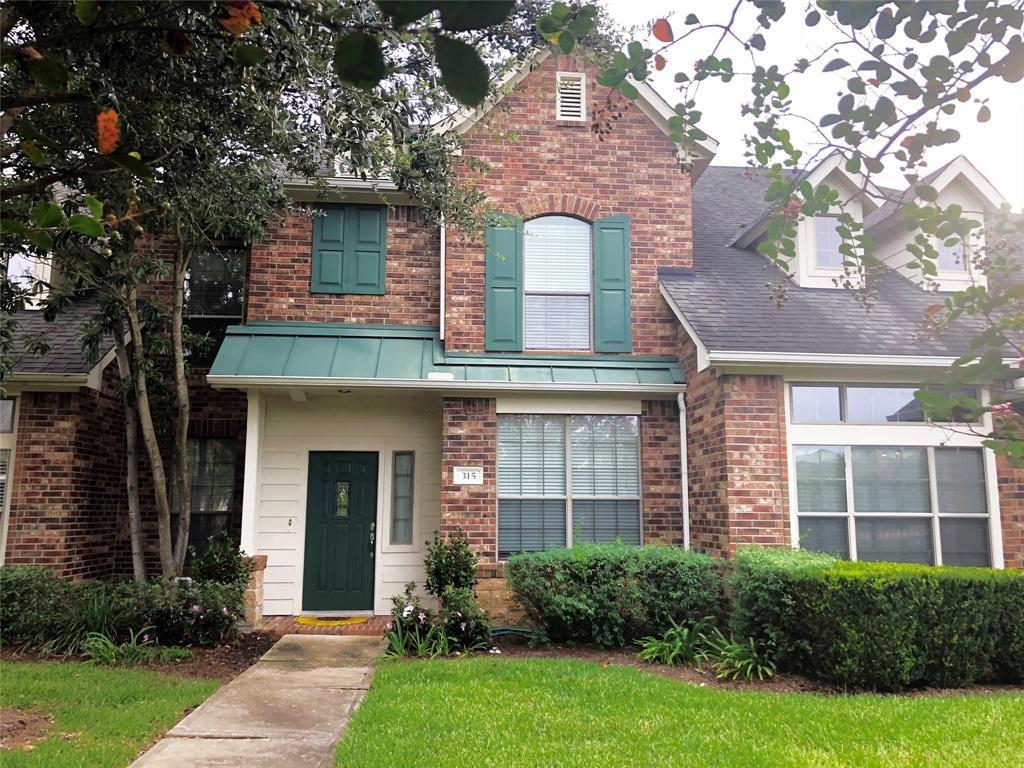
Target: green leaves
[(565, 26), (85, 225), (87, 11), (132, 162), (463, 72), (49, 73), (46, 214), (359, 60), (249, 55), (478, 14), (835, 64), (95, 206)]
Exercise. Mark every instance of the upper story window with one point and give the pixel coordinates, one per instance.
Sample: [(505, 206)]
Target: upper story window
[(859, 404), (215, 282), (951, 257), (571, 96), (6, 415), (827, 242), (557, 283)]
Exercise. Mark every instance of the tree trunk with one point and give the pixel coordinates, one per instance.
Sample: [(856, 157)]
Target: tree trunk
[(131, 433), (149, 439), (181, 257)]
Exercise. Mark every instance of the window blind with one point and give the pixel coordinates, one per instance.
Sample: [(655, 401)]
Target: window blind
[(827, 242)]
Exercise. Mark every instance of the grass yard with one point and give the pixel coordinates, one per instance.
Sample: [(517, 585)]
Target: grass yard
[(102, 717), (531, 712)]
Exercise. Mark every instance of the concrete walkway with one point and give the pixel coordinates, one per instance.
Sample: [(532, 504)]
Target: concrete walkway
[(288, 709)]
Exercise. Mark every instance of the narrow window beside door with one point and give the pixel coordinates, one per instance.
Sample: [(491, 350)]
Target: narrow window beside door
[(401, 497)]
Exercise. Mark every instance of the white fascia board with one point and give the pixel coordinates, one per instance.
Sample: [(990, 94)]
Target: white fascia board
[(812, 358), (46, 382), (312, 383), (963, 166), (703, 358)]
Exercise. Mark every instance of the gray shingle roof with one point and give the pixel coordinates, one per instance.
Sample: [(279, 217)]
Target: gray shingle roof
[(725, 297), (63, 336)]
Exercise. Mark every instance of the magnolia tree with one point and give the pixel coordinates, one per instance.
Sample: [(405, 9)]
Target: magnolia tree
[(909, 67), (134, 134)]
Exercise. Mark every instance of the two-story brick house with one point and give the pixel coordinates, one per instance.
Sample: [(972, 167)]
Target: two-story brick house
[(603, 363)]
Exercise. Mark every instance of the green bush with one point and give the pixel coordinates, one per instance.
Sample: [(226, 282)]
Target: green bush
[(42, 610), (881, 626), (449, 563), (614, 594), (221, 561)]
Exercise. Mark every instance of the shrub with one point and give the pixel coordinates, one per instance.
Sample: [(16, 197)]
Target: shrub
[(613, 594), (33, 601), (881, 626), (464, 621), (449, 563), (733, 659), (220, 561), (680, 644), (187, 613)]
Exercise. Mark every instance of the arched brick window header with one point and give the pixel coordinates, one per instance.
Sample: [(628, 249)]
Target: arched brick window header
[(570, 205)]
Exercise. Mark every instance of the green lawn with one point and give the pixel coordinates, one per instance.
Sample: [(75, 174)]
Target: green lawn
[(533, 712), (110, 714)]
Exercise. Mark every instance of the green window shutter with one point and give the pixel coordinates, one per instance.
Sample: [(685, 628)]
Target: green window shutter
[(328, 249), (349, 247), (612, 296), (503, 286), (365, 236)]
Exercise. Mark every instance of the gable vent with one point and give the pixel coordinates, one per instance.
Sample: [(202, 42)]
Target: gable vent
[(571, 100)]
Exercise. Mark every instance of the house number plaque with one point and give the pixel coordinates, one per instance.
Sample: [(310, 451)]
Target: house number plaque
[(468, 475)]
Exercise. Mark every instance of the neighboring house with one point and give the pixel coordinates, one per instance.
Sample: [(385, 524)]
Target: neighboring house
[(605, 363)]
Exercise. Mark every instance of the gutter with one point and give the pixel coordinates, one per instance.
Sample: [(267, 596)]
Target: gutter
[(814, 358), (684, 478), (436, 385)]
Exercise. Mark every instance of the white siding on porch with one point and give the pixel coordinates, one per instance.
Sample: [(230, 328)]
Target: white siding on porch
[(343, 423)]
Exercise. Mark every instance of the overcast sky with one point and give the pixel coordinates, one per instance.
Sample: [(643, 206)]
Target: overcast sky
[(995, 147)]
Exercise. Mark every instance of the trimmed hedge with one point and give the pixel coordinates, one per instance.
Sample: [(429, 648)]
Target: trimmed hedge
[(41, 609), (613, 594), (881, 626)]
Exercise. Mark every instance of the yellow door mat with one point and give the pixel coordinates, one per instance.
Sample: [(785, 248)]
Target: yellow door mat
[(331, 621)]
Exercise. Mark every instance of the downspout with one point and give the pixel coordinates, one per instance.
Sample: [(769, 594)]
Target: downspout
[(444, 237), (684, 479)]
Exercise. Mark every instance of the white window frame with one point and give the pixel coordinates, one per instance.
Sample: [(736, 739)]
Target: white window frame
[(589, 293), (844, 386), (567, 497), (900, 434), (8, 442), (582, 77)]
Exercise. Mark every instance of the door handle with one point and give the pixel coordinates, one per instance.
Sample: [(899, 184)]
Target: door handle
[(373, 536)]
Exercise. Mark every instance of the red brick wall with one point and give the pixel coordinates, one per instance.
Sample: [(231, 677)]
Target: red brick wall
[(280, 267), (469, 437), (1011, 510), (738, 468), (67, 489), (554, 167), (659, 456)]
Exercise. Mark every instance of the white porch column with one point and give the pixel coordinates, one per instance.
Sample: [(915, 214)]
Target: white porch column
[(251, 482)]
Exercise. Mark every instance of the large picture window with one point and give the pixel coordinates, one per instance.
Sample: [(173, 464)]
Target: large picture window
[(913, 504), (557, 283), (567, 479)]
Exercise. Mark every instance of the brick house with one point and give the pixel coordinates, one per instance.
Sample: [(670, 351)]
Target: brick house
[(605, 362)]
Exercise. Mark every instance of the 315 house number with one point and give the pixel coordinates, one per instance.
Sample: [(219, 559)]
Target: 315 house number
[(468, 475)]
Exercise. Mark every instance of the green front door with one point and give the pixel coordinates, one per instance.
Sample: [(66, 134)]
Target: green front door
[(341, 513)]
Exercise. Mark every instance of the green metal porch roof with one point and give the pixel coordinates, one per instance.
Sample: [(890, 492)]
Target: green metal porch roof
[(329, 352)]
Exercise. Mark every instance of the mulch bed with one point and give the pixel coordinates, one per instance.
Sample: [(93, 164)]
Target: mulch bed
[(21, 730), (517, 647), (221, 662)]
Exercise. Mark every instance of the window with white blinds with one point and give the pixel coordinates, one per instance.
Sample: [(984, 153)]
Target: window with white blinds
[(556, 283), (567, 479), (827, 242), (5, 463), (571, 96)]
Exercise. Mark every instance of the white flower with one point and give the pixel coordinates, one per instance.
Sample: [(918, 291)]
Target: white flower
[(407, 611), (495, 650)]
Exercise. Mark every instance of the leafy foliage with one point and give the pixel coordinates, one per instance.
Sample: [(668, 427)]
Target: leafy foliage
[(733, 659), (613, 594), (683, 644), (137, 649), (450, 562), (881, 626), (221, 561)]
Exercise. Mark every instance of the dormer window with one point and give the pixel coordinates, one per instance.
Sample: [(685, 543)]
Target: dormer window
[(951, 257), (826, 243), (571, 96)]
